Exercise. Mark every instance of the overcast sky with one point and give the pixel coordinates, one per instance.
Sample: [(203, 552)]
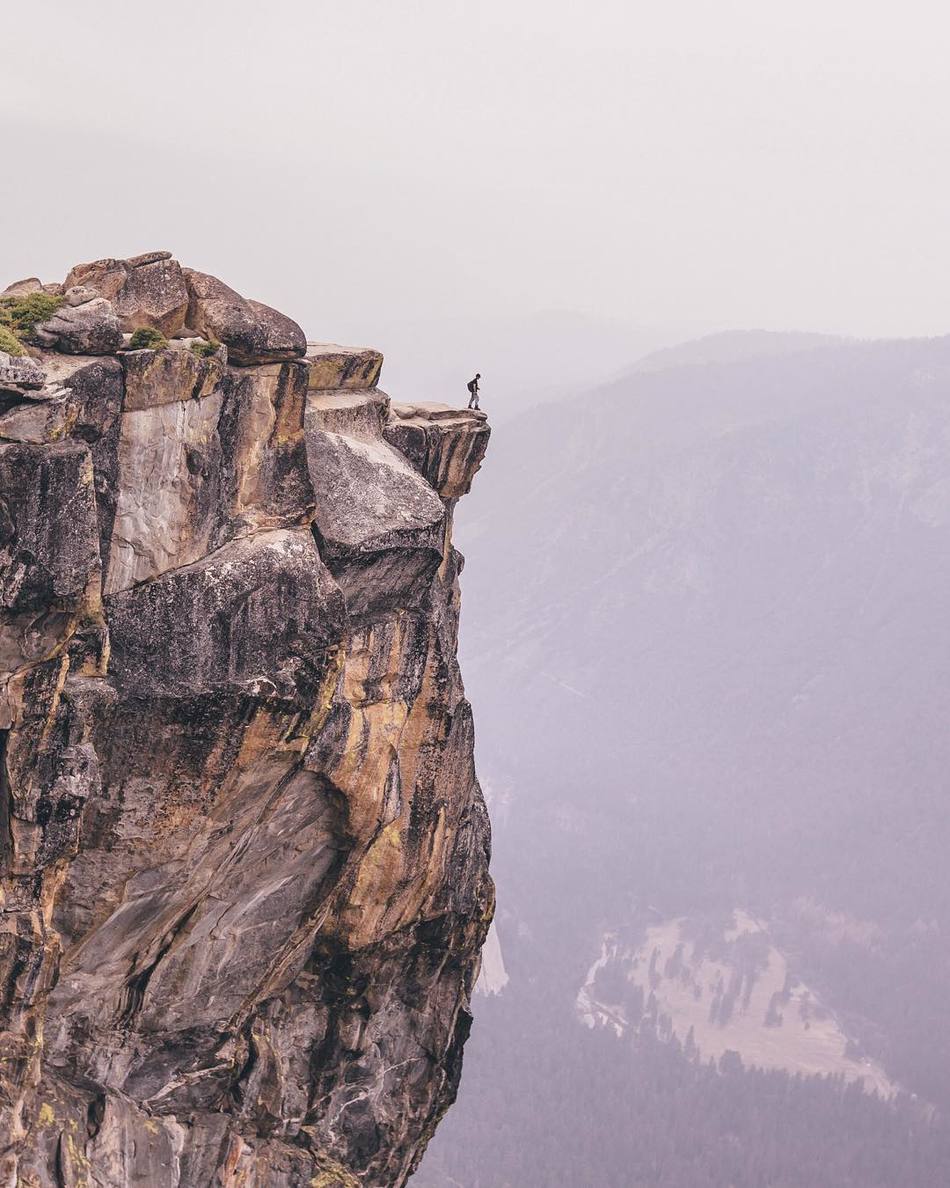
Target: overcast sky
[(703, 163)]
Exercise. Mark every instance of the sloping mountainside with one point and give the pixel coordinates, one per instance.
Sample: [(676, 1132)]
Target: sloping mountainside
[(245, 854), (716, 595)]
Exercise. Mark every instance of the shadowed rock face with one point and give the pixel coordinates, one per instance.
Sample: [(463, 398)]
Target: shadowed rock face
[(244, 851)]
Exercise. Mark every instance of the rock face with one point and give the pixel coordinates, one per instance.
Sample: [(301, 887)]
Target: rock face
[(244, 851)]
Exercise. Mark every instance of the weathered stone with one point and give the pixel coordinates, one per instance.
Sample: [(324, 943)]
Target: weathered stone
[(252, 332), (245, 871), (444, 444), (380, 524), (79, 295), (147, 258), (168, 485), (360, 414), (48, 548), (48, 551), (263, 428), (20, 375), (78, 398), (169, 376), (146, 291), (93, 401), (256, 616), (23, 288), (87, 329), (106, 276), (282, 337), (332, 367), (204, 454), (37, 421)]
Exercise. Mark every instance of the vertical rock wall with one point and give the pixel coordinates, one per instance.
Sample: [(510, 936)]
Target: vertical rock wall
[(244, 850)]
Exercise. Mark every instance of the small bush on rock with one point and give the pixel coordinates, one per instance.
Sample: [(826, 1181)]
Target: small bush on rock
[(147, 339), (21, 315), (9, 343), (204, 350)]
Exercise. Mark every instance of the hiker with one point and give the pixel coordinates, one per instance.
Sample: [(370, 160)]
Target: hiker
[(473, 390)]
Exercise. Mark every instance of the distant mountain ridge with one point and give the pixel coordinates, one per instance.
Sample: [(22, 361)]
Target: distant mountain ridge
[(732, 346)]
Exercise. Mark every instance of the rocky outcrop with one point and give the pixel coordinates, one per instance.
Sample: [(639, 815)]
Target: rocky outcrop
[(330, 367), (147, 291), (244, 851), (252, 332), (20, 375), (446, 445), (84, 325)]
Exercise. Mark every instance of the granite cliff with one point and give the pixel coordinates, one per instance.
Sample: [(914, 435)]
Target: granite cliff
[(244, 851)]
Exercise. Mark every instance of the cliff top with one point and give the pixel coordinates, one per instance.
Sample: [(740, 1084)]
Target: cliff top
[(152, 302)]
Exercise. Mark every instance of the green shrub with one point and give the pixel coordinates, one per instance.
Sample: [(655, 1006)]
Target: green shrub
[(146, 338), (21, 315), (204, 350), (10, 343)]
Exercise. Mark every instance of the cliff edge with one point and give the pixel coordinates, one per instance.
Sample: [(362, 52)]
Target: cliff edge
[(244, 851)]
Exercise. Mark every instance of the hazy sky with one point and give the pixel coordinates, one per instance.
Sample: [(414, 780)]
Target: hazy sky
[(708, 163)]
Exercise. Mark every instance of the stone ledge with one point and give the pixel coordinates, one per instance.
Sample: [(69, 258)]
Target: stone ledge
[(333, 366), (422, 410), (354, 412), (446, 445)]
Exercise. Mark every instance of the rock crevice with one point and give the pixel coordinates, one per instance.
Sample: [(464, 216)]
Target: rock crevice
[(244, 851)]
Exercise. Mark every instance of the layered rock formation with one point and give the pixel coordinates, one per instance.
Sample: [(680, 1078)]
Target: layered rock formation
[(244, 850)]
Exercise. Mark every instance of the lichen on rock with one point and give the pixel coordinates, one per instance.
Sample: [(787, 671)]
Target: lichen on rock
[(244, 851)]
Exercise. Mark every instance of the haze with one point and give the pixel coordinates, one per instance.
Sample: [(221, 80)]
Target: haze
[(682, 167), (700, 254)]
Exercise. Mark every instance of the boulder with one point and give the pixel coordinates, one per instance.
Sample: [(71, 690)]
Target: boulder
[(146, 291), (107, 277), (23, 288), (90, 328), (335, 367), (252, 332), (79, 295), (21, 376), (37, 421)]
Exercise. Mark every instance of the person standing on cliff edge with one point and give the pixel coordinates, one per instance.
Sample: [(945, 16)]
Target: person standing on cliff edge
[(473, 390)]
